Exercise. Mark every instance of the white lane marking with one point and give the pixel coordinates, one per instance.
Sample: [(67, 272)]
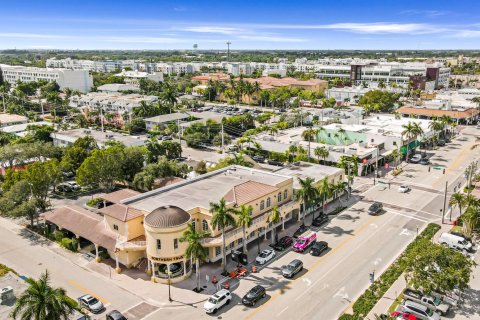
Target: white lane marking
[(307, 281), (341, 294), (284, 309), (405, 215)]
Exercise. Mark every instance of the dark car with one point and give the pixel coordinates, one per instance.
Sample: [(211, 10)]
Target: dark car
[(283, 243), (318, 248), (258, 158), (252, 296), (320, 220), (275, 163), (375, 208), (115, 315), (300, 230), (294, 267), (424, 161)]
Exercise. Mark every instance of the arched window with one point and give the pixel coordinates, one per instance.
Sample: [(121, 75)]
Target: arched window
[(262, 204), (285, 195), (268, 202), (204, 225), (279, 197)]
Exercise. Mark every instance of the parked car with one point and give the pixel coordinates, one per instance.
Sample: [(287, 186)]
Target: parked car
[(265, 256), (424, 161), (275, 163), (320, 220), (375, 208), (420, 311), (455, 242), (253, 295), (300, 231), (258, 159), (416, 158), (318, 248), (115, 315), (436, 304), (403, 188), (291, 269), (218, 300), (91, 303), (283, 243), (303, 243)]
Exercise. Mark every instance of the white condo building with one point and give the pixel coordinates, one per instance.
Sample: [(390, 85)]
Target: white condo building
[(74, 79)]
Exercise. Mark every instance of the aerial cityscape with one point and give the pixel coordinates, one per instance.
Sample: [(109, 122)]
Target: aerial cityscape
[(239, 160)]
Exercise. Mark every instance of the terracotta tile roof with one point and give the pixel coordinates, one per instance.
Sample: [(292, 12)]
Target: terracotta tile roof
[(121, 212), (84, 223), (117, 196), (248, 191), (457, 114)]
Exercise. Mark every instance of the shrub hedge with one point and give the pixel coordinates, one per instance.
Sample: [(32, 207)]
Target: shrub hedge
[(370, 297)]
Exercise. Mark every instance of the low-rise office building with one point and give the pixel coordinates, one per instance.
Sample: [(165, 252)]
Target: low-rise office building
[(68, 137), (148, 226), (79, 80)]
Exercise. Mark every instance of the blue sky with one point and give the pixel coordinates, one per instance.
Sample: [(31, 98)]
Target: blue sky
[(261, 24)]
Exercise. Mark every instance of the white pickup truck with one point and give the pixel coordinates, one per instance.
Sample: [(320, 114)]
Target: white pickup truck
[(433, 303)]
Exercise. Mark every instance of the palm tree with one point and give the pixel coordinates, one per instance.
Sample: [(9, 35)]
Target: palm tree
[(41, 301), (308, 135), (195, 250), (222, 217), (307, 193), (409, 133), (244, 220), (457, 199), (273, 218), (325, 191), (321, 152)]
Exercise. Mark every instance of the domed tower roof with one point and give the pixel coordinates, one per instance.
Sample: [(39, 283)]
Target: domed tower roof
[(167, 217)]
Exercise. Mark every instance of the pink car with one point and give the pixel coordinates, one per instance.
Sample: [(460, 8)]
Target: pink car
[(304, 242)]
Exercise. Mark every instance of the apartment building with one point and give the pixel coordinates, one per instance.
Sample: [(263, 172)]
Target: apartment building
[(137, 227), (74, 79), (110, 101)]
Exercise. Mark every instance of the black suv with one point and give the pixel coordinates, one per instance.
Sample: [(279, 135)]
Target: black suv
[(318, 248), (252, 296), (320, 220), (283, 243), (300, 230), (375, 209)]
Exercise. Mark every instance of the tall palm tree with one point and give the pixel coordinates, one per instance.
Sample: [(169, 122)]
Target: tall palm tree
[(41, 301), (309, 135), (222, 217), (457, 199), (321, 152), (409, 133), (274, 218), (307, 193), (325, 190), (244, 219), (195, 250)]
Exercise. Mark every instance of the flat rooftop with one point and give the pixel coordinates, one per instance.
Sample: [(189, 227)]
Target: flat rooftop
[(306, 169), (204, 189)]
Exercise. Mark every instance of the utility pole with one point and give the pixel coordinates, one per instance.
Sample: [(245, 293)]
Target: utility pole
[(223, 140), (228, 51), (444, 201)]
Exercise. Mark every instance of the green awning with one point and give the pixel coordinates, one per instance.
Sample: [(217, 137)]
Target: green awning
[(412, 145)]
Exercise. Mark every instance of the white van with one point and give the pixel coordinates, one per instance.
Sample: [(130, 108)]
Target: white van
[(455, 242)]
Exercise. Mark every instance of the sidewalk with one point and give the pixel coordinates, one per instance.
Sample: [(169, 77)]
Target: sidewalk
[(397, 287)]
